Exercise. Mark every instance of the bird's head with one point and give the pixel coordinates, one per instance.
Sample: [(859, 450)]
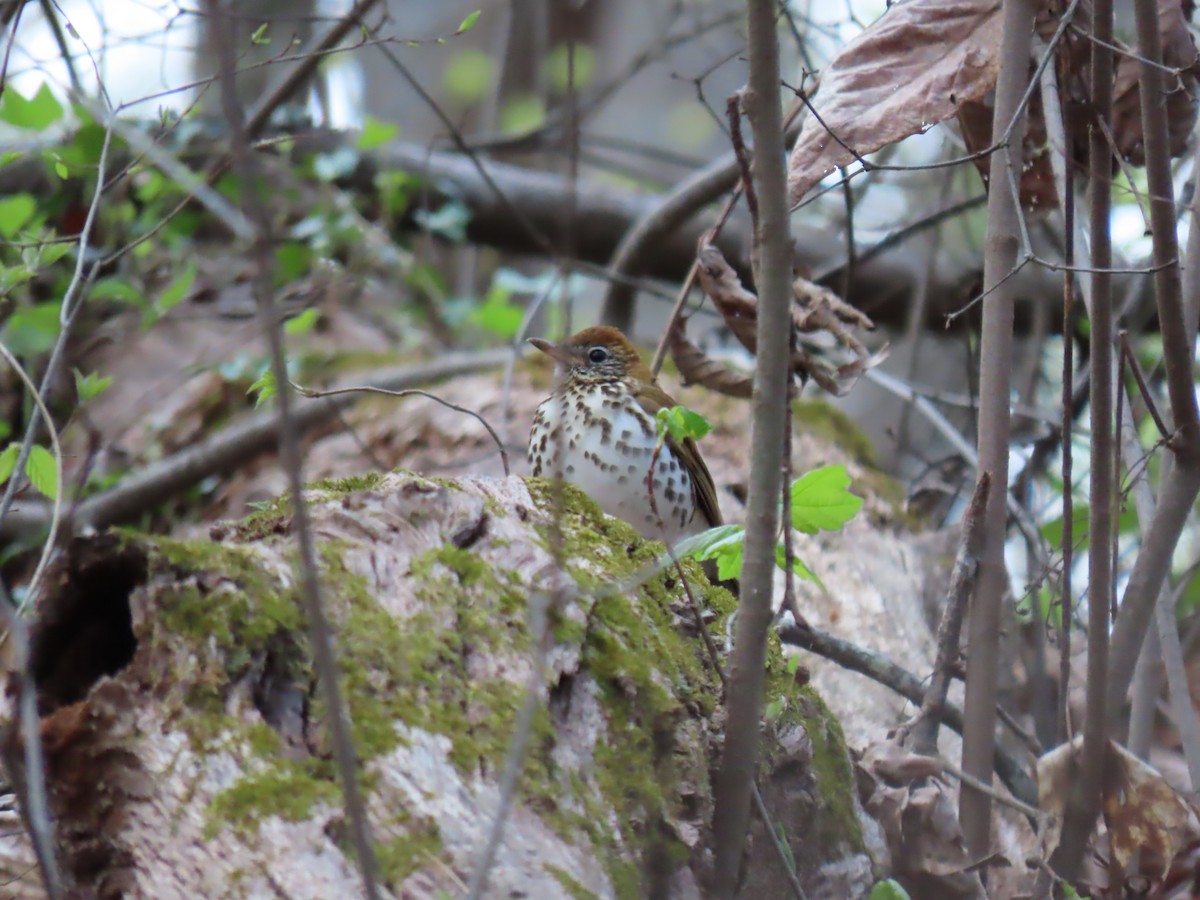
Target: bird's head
[(597, 354)]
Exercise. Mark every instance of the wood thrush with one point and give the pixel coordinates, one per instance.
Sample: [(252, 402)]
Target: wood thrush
[(598, 431)]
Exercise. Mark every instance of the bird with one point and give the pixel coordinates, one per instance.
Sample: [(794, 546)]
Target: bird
[(598, 431)]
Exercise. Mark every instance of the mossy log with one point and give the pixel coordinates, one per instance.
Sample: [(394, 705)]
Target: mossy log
[(184, 738)]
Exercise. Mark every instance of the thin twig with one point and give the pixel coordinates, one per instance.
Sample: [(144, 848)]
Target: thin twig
[(785, 858), (56, 451), (1181, 485), (907, 685), (67, 314), (29, 779), (958, 593), (1013, 90), (1020, 806), (1083, 804), (320, 629), (235, 444), (12, 37), (1066, 599), (367, 389), (735, 779), (1129, 358), (539, 623)]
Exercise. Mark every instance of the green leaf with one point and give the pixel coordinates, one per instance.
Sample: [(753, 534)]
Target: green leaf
[(176, 290), (37, 113), (303, 323), (116, 288), (8, 461), (448, 221), (558, 65), (53, 250), (498, 314), (682, 423), (523, 113), (33, 329), (723, 544), (263, 389), (469, 22), (339, 163), (798, 566), (60, 169), (260, 35), (90, 386), (468, 76), (774, 709), (889, 890), (820, 501), (293, 260), (15, 213), (42, 471), (376, 133)]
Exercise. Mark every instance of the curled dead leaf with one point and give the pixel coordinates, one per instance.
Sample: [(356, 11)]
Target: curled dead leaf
[(816, 311), (1179, 53), (909, 70), (697, 368), (919, 819), (737, 306), (1143, 814)]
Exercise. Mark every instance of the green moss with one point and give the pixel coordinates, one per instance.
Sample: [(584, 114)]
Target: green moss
[(401, 856), (655, 682), (834, 829), (827, 421), (275, 516), (651, 679), (287, 788), (839, 826), (569, 884), (347, 485)]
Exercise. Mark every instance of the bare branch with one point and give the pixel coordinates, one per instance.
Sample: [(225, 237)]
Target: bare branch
[(1084, 803), (1182, 484), (958, 592), (774, 282), (907, 685), (320, 629), (1000, 259)]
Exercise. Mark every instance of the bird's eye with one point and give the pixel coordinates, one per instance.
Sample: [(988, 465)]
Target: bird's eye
[(597, 355)]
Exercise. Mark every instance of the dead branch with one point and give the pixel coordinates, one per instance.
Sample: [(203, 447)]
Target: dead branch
[(231, 447)]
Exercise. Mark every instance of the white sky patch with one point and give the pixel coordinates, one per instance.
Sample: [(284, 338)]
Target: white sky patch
[(138, 47)]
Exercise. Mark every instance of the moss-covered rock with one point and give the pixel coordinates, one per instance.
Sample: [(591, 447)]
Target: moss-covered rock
[(455, 604)]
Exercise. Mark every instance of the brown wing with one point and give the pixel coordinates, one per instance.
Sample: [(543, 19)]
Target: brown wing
[(652, 398)]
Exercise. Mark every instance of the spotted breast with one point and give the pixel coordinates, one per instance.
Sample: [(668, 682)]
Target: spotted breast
[(597, 431)]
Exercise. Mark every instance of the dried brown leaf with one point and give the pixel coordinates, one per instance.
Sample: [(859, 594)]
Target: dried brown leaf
[(1144, 815), (1036, 184), (1179, 52), (898, 765), (738, 306), (696, 367), (1055, 773), (919, 822), (816, 309), (910, 69)]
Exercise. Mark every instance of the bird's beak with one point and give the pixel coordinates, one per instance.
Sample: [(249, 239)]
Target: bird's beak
[(555, 352)]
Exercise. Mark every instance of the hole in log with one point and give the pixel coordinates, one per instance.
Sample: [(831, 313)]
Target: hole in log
[(84, 630)]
